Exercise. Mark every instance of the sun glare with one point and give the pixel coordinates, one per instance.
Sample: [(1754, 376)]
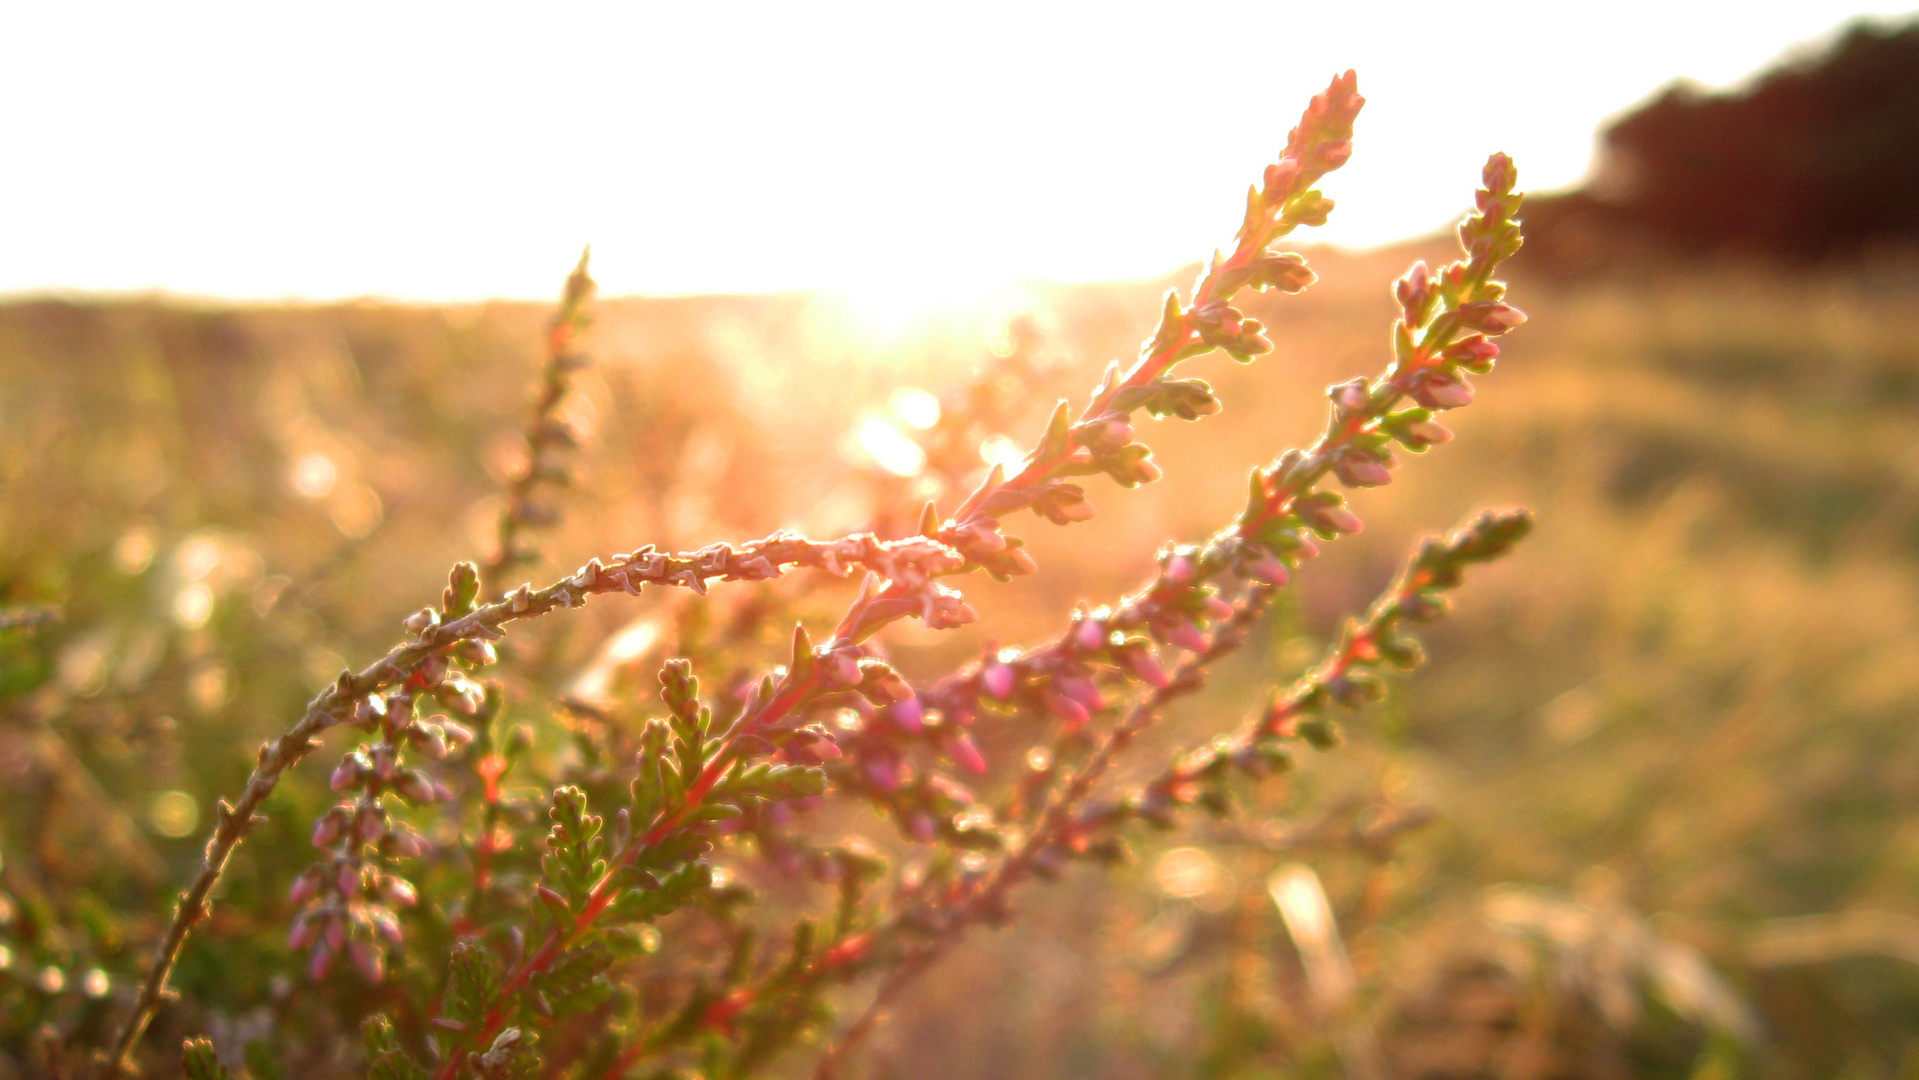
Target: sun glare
[(889, 447), (915, 407), (910, 158)]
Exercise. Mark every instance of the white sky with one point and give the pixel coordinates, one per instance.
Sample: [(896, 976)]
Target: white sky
[(456, 151)]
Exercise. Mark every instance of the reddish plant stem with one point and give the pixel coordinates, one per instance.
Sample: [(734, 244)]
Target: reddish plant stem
[(791, 694), (989, 895), (490, 769)]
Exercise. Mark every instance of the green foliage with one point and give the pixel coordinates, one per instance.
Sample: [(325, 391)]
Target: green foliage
[(573, 862), (472, 983), (199, 1061)]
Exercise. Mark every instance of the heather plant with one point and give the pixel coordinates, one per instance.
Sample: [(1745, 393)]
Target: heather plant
[(612, 891)]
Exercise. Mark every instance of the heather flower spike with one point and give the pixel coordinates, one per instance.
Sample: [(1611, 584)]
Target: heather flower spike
[(561, 898)]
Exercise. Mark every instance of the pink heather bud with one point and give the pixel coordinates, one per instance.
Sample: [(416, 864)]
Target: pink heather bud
[(1424, 433), (1070, 712), (1089, 635), (1334, 154), (368, 712), (1499, 175), (1475, 354), (964, 752), (417, 787), (921, 826), (1441, 391), (811, 745), (405, 843), (369, 959), (951, 790), (1490, 316), (1186, 636), (881, 684), (1476, 349), (370, 822), (1216, 606), (319, 962), (1082, 690), (947, 610), (1146, 470), (1022, 563), (398, 891), (1308, 548), (432, 669), (429, 739), (1415, 292), (983, 535), (346, 880), (305, 887), (384, 924), (305, 929), (1145, 666), (1351, 399), (462, 697), (421, 621), (1181, 570), (476, 653), (1356, 471), (348, 773), (997, 680), (908, 715), (457, 735), (841, 668), (1282, 176), (1342, 519), (883, 771), (399, 711), (331, 826), (335, 933), (1068, 510), (1267, 570), (385, 761)]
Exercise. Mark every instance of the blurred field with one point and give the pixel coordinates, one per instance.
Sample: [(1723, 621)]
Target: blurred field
[(1673, 724)]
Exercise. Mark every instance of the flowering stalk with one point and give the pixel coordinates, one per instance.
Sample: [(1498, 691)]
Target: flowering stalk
[(1198, 776), (1445, 328), (1182, 611), (984, 900), (548, 436), (463, 625), (1347, 676), (1269, 540), (1101, 441), (699, 779)]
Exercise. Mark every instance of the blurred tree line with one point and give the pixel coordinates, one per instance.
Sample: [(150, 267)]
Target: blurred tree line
[(1814, 160)]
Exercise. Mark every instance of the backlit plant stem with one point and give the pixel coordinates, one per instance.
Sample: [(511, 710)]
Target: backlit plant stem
[(548, 435), (988, 898), (1318, 145), (337, 703)]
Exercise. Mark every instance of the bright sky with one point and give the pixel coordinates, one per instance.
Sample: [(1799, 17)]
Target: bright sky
[(457, 151)]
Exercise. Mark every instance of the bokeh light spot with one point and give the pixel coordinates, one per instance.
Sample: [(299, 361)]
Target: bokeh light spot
[(889, 447), (174, 814)]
